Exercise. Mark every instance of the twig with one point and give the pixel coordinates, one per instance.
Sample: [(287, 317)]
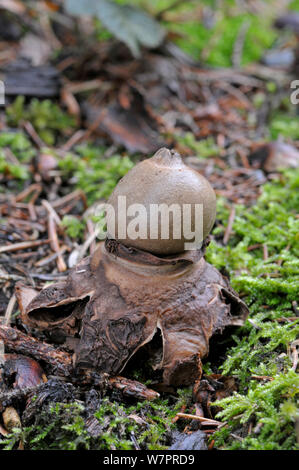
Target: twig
[(240, 439), (211, 445), (236, 92), (294, 354), (253, 324), (89, 85), (48, 277), (229, 225), (51, 211), (265, 252), (239, 44), (32, 212), (55, 244), (91, 230), (174, 420), (50, 258), (71, 104), (232, 76), (46, 25), (286, 319), (23, 245), (132, 388), (261, 377), (74, 139), (9, 277), (9, 310), (37, 188), (87, 244), (70, 197), (33, 134), (254, 247), (200, 418), (267, 73), (134, 440)]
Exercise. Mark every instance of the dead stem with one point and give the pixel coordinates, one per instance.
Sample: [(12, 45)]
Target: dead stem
[(23, 245), (229, 225), (55, 244), (212, 422), (9, 310)]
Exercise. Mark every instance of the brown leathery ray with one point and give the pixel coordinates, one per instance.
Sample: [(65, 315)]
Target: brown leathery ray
[(114, 302)]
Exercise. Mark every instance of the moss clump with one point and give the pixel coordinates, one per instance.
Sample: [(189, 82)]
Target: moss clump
[(215, 44), (268, 409), (272, 416), (73, 226), (271, 223), (203, 148), (47, 118), (13, 162), (94, 174), (63, 426), (59, 426), (284, 124)]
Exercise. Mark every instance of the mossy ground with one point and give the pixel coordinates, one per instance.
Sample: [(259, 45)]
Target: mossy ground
[(262, 346), (264, 413), (62, 426), (269, 408)]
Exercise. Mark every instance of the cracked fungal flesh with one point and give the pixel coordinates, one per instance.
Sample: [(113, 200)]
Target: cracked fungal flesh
[(113, 303)]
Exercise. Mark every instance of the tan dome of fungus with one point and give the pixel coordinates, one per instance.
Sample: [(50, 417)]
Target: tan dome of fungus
[(163, 179)]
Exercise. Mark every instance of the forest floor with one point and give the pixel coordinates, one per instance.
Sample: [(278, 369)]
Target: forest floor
[(80, 112)]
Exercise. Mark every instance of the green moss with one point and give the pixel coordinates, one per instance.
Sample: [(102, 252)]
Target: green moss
[(271, 222), (94, 174), (285, 125), (62, 426), (15, 171), (270, 286), (294, 5), (19, 144), (73, 226), (273, 416), (203, 148), (22, 152), (59, 426), (46, 117), (216, 45)]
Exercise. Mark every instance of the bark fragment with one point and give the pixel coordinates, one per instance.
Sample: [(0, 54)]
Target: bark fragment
[(18, 342)]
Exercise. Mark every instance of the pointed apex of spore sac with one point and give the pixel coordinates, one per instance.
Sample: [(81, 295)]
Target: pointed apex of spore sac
[(166, 157)]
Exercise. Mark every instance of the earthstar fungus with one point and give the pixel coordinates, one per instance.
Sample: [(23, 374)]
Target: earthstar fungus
[(115, 301)]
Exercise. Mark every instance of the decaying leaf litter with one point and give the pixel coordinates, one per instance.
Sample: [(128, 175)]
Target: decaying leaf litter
[(119, 102)]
